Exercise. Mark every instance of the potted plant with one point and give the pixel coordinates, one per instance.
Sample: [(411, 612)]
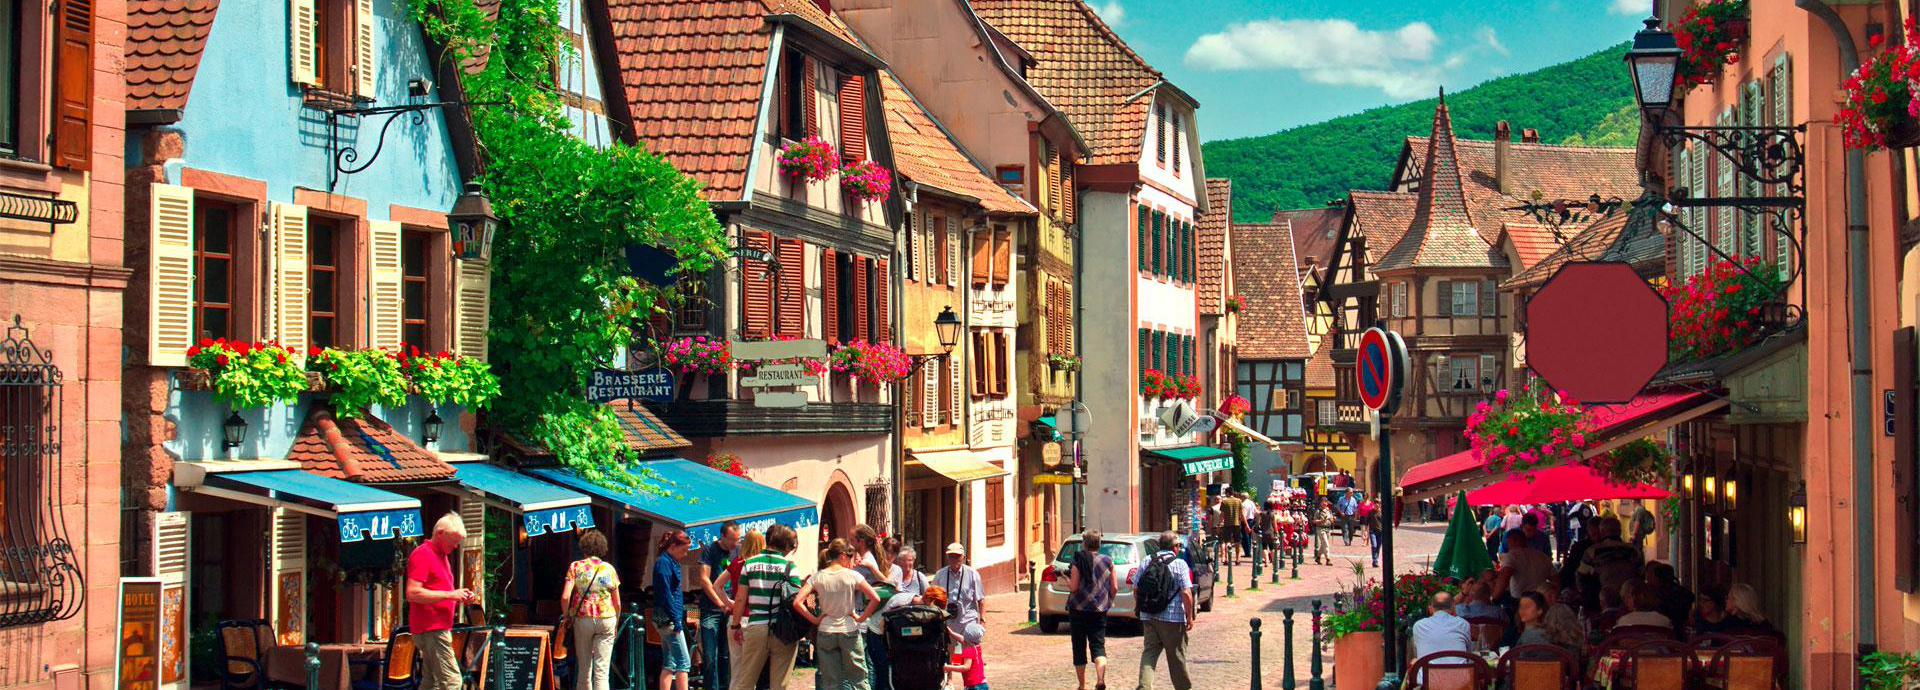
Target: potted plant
[(1527, 429), (1720, 309), (358, 378), (1153, 384), (1356, 631), (1064, 362), (1883, 670), (866, 180), (444, 377), (1640, 461), (1183, 387), (246, 375), (1882, 108), (1710, 35), (729, 463), (1235, 303), (811, 159), (694, 356), (879, 362)]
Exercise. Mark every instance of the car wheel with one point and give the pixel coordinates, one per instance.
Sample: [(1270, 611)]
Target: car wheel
[(1050, 624)]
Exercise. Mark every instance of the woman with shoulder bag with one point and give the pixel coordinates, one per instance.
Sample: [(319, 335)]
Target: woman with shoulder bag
[(1090, 589), (669, 610), (592, 597)]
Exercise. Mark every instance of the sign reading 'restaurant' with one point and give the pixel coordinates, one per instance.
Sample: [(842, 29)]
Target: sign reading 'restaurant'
[(652, 383)]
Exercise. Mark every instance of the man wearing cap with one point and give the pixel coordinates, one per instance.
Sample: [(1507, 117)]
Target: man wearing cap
[(965, 596)]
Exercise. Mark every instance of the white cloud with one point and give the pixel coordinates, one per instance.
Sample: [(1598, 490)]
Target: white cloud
[(1111, 12), (1491, 39), (1399, 61), (1631, 8)]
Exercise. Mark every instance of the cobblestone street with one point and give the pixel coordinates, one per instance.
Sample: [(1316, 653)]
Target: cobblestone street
[(1020, 657)]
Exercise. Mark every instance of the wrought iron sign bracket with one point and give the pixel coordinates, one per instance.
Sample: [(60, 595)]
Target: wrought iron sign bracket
[(346, 159), (1768, 155), (1557, 213)]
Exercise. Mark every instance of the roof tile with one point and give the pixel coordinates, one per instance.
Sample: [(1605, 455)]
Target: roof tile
[(1381, 218), (164, 41), (1211, 262), (1273, 323), (363, 449), (924, 154), (1084, 68), (686, 66), (1315, 232), (1441, 234)]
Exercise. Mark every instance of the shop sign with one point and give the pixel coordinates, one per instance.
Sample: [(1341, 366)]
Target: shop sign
[(762, 350), (1052, 478), (1180, 418), (1193, 467), (651, 383), (137, 655), (775, 375)]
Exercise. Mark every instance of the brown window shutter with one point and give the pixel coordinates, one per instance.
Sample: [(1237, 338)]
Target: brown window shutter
[(1002, 255), (1055, 334), (756, 290), (882, 293), (1906, 576), (792, 283), (999, 363), (978, 381), (1444, 299), (853, 118), (1066, 190), (829, 296), (982, 257), (1066, 319), (1053, 178), (861, 324), (810, 100), (73, 85)]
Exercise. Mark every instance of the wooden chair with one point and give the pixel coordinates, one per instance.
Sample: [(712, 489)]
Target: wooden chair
[(1649, 631), (1487, 630), (243, 653), (1659, 665), (1539, 667), (397, 668), (1711, 641), (1750, 663), (1451, 670)]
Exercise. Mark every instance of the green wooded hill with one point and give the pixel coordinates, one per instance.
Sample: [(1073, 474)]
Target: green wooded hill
[(1585, 101)]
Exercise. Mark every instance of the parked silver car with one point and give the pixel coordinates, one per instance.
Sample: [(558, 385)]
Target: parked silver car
[(1129, 550)]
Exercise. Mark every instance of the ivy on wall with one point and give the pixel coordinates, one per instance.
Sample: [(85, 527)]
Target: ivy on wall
[(562, 300)]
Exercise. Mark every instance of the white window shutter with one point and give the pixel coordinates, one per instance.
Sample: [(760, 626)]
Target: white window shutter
[(474, 514), (170, 276), (959, 393), (930, 395), (290, 281), (953, 256), (471, 296), (171, 544), (364, 67), (303, 41), (383, 258), (287, 589)]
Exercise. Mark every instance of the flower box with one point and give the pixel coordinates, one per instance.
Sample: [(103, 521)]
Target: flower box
[(197, 379), (812, 159), (866, 181), (1881, 108), (1711, 35), (1722, 309)]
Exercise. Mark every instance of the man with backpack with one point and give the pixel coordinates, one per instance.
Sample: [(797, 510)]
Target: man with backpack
[(770, 584), (1163, 598)]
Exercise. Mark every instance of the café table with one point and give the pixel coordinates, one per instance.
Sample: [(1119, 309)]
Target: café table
[(288, 663), (1604, 667)]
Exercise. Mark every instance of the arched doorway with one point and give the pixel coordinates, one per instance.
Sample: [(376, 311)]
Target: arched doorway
[(1316, 462), (836, 516)]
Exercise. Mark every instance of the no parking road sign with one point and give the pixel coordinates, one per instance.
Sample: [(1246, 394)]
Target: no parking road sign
[(1381, 366)]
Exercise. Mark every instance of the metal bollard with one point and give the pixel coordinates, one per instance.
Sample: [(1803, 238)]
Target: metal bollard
[(1033, 594), (1286, 665), (1229, 570), (313, 666), (1314, 681), (636, 659), (1253, 583), (1295, 573), (1254, 634), (1273, 569), (499, 633)]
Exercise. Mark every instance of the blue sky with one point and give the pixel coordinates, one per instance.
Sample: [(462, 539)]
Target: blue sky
[(1262, 66)]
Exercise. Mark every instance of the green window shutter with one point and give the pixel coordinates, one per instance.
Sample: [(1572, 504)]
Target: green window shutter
[(1159, 351), (1144, 252), (1158, 220), (1188, 245), (1145, 363)]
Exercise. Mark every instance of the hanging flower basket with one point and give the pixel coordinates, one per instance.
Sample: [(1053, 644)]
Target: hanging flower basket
[(812, 159), (1236, 405), (696, 355), (1063, 362), (1235, 303), (1710, 35), (870, 361), (1721, 309), (246, 375), (1640, 461), (1882, 107), (727, 462), (1527, 429), (867, 181)]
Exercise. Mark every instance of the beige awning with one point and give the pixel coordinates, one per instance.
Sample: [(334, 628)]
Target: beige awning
[(958, 466)]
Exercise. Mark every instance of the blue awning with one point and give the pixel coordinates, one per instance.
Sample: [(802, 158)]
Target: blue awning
[(543, 507), (363, 512), (699, 498)]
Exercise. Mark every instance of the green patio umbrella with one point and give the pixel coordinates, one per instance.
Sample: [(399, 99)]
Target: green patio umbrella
[(1463, 553)]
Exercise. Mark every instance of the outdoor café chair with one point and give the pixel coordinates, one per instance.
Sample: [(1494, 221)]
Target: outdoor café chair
[(1659, 665), (1711, 641), (243, 653), (1450, 670), (1487, 630), (1539, 667), (396, 669), (1748, 663)]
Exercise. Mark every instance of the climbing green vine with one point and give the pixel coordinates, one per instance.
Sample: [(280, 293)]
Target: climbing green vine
[(562, 302)]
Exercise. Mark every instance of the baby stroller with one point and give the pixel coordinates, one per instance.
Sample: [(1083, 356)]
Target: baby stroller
[(917, 643)]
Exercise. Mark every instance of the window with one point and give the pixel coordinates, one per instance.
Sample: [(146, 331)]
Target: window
[(1464, 372), (795, 90), (1328, 412), (1000, 364), (326, 283), (10, 87), (1397, 300), (214, 243), (30, 458), (415, 294), (1160, 132), (1489, 367), (693, 304), (332, 46), (1175, 144), (1465, 297), (982, 364), (996, 511)]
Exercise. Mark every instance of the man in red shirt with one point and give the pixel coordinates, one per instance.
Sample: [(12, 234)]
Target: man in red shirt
[(432, 600)]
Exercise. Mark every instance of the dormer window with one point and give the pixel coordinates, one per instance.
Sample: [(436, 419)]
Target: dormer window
[(798, 118), (1160, 132)]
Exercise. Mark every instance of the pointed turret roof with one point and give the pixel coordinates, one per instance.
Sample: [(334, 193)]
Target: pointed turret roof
[(1441, 234)]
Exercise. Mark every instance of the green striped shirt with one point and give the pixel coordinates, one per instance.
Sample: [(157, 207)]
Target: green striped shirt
[(763, 575)]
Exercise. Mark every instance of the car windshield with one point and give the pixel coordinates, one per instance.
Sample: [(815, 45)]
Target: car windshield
[(1119, 551)]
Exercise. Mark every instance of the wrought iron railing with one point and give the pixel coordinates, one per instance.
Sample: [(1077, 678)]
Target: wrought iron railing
[(39, 575)]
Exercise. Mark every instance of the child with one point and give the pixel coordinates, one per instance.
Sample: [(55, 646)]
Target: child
[(972, 667)]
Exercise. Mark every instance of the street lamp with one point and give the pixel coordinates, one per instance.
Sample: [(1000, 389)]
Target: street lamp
[(473, 223), (430, 427), (1797, 513), (1711, 495), (1654, 60), (947, 326), (1733, 493), (233, 431)]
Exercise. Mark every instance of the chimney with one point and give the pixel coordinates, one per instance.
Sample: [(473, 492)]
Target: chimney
[(1529, 136), (1502, 137)]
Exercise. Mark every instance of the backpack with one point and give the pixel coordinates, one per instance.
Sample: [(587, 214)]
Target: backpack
[(787, 624), (1157, 587)]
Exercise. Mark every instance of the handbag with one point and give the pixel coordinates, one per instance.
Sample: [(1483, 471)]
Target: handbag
[(566, 619)]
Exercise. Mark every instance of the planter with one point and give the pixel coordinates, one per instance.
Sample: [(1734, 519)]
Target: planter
[(195, 379), (1902, 133), (1359, 660)]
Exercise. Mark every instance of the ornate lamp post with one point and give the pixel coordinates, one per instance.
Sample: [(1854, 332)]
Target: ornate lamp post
[(473, 223)]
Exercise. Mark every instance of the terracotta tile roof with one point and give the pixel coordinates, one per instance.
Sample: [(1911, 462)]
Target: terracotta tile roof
[(1531, 241), (1555, 171), (1084, 68), (164, 42), (1442, 233), (1211, 263), (1381, 217), (1273, 324), (1601, 240), (923, 153), (478, 60), (1315, 231), (644, 431), (1320, 367), (363, 449)]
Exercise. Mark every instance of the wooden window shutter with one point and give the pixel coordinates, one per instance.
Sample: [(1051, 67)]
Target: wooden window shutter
[(365, 67), (287, 595), (1053, 318), (290, 288), (756, 289), (1066, 318), (1159, 245), (1489, 298), (977, 365), (473, 299), (1174, 141), (1002, 256), (1193, 254), (1160, 132), (1145, 363), (1141, 231), (1159, 352), (862, 299), (170, 277), (1906, 500), (853, 118), (910, 245), (810, 99), (829, 295), (384, 299), (473, 513), (954, 394), (303, 42), (883, 301), (996, 500), (1444, 298), (982, 256), (1000, 363), (930, 395), (1191, 369), (172, 553), (1066, 191), (1053, 177), (791, 301), (1186, 250), (73, 84), (952, 236)]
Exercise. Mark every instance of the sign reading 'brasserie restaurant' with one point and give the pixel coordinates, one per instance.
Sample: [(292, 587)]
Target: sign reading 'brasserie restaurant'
[(652, 383)]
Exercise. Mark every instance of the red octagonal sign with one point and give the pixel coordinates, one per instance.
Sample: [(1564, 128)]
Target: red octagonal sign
[(1597, 330)]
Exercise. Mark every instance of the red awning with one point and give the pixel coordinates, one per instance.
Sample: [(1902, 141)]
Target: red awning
[(1614, 425), (1554, 484)]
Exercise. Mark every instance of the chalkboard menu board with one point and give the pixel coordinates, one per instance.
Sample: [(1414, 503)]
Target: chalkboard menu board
[(525, 662)]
